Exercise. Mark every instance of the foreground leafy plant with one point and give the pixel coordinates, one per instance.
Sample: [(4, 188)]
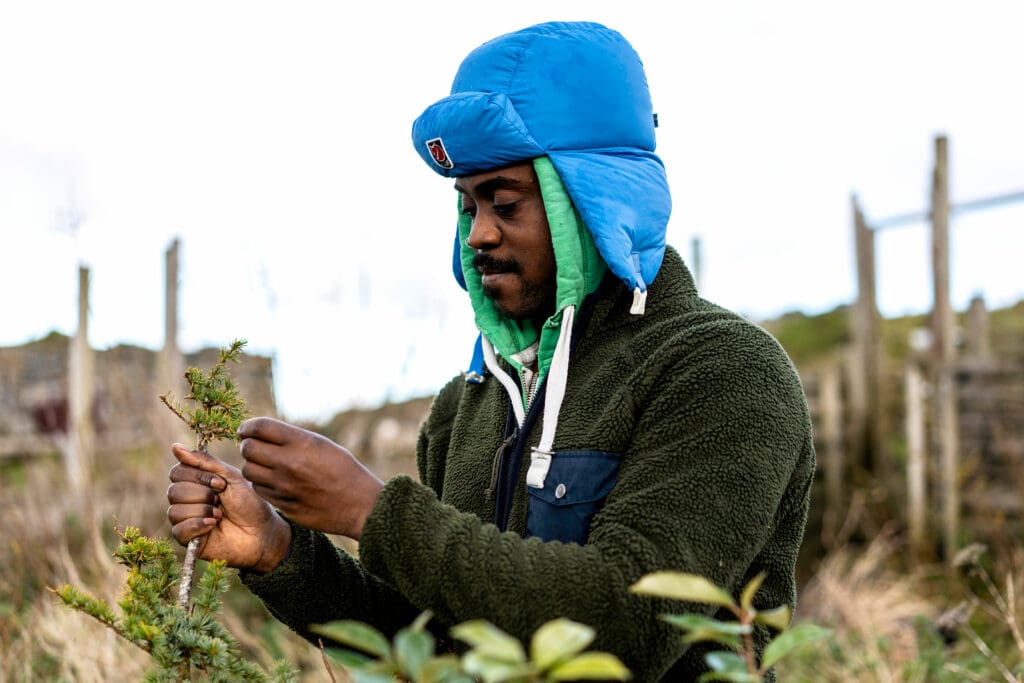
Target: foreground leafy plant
[(556, 654), (738, 663), (178, 640)]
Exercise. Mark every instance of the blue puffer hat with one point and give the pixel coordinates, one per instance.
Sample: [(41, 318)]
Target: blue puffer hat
[(575, 92), (572, 98)]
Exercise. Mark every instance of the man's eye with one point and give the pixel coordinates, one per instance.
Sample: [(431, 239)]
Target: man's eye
[(505, 210), (469, 211)]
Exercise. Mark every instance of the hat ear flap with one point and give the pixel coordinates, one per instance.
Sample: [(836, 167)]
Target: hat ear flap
[(457, 260)]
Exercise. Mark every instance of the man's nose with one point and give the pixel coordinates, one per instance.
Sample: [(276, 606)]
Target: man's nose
[(483, 234)]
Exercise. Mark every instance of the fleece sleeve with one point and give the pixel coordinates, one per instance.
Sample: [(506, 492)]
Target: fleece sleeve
[(717, 446), (320, 582)]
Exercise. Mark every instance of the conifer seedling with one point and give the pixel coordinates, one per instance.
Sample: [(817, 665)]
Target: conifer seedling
[(216, 413), (178, 636)]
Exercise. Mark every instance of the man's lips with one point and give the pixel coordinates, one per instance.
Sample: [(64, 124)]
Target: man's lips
[(492, 270), (490, 277)]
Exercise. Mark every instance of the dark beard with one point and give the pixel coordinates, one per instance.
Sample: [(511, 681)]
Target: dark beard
[(537, 300)]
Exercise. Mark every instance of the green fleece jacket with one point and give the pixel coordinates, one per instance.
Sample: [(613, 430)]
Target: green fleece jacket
[(704, 419)]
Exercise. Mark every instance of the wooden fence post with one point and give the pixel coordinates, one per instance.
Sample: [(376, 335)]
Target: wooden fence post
[(917, 475), (830, 439), (80, 442), (171, 364), (978, 342), (944, 354), (865, 407), (696, 265)]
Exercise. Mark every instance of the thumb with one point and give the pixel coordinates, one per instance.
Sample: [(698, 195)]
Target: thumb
[(202, 460)]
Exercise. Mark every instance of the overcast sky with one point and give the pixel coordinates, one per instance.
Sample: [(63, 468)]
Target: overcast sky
[(273, 140)]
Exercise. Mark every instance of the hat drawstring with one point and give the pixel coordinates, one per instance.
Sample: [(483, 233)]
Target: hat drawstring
[(554, 394), (558, 376), (506, 380)]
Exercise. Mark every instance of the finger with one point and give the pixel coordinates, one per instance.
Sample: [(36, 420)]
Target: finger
[(258, 473), (268, 429), (180, 512), (185, 531), (191, 492), (200, 460), (257, 450), (190, 474), (184, 473), (273, 496)]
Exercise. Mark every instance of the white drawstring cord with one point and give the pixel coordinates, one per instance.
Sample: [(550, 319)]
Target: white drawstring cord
[(506, 380), (639, 302), (558, 376)]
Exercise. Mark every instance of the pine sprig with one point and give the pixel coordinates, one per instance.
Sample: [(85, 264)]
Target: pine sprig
[(217, 406), (178, 641)]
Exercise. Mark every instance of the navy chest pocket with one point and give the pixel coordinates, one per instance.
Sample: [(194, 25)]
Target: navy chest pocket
[(574, 490)]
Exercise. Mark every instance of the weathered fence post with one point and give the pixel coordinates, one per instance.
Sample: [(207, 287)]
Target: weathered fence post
[(695, 265), (830, 440), (944, 353), (917, 474), (978, 344), (80, 441), (865, 406), (170, 363)]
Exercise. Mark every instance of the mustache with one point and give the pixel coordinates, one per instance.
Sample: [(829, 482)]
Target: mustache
[(483, 261)]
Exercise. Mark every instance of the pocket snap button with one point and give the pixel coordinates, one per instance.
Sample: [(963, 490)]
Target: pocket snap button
[(560, 491)]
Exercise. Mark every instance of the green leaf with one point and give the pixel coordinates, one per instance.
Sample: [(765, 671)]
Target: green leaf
[(558, 640), (730, 676), (725, 661), (490, 641), (682, 586), (355, 634), (787, 641), (363, 676), (695, 621), (777, 618), (492, 669), (412, 649), (705, 629), (750, 590), (443, 669), (728, 666), (421, 621), (591, 666), (350, 659)]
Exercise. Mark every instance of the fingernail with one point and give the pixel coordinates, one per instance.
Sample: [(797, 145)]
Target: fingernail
[(218, 484), (209, 521)]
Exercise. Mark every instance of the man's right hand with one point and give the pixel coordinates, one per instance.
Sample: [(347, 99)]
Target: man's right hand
[(211, 500)]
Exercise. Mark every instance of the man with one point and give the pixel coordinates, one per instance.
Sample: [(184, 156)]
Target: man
[(612, 422)]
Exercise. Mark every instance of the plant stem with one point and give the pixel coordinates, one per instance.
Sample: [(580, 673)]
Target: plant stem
[(188, 566)]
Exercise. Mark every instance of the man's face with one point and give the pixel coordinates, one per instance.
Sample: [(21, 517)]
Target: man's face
[(511, 240)]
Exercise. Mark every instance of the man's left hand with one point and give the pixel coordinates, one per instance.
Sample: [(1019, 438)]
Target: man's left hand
[(313, 481)]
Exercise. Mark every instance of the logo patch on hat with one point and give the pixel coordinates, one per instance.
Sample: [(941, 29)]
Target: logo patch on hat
[(439, 154)]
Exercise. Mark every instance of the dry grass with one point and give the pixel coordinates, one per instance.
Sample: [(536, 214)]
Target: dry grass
[(50, 539), (916, 625), (873, 610)]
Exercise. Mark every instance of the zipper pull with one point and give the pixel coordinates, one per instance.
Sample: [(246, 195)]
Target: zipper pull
[(496, 465)]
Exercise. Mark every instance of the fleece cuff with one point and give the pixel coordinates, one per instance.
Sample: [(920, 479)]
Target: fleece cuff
[(400, 497), (296, 565)]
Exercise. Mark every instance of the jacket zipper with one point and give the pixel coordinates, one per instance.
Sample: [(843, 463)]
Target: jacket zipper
[(528, 379)]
